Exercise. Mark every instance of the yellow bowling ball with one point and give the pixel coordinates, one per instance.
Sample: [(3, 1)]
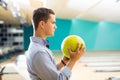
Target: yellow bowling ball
[(71, 41)]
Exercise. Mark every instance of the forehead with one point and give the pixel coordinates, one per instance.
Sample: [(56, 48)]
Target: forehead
[(52, 17)]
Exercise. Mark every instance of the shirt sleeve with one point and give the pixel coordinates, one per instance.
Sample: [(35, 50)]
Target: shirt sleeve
[(45, 69)]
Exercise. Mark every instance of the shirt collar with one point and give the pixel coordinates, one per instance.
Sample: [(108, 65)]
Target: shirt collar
[(39, 41)]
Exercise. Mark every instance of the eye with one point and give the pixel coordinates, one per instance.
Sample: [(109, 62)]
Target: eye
[(54, 22)]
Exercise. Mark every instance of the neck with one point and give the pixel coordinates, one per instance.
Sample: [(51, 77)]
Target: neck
[(36, 34)]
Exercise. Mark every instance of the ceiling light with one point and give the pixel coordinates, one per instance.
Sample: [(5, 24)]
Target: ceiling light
[(1, 22)]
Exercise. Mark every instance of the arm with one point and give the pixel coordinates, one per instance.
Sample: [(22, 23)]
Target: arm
[(61, 65)]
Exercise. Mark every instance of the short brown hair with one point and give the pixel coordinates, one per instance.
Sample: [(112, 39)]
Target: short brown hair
[(41, 14)]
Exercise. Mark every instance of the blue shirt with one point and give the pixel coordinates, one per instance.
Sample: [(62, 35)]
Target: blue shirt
[(41, 64)]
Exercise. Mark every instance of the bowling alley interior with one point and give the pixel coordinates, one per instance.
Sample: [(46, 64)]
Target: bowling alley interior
[(97, 22)]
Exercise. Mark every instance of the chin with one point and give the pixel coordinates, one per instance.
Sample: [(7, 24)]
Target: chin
[(51, 35)]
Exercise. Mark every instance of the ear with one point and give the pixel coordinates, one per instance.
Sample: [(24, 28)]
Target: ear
[(41, 24)]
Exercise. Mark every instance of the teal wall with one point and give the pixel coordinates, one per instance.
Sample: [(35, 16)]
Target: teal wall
[(108, 36), (97, 36), (28, 31)]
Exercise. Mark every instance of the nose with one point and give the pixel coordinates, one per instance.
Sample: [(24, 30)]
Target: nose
[(55, 26)]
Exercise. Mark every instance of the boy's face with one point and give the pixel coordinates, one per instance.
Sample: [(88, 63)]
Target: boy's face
[(50, 26)]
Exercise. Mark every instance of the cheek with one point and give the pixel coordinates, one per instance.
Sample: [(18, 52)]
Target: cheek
[(48, 29)]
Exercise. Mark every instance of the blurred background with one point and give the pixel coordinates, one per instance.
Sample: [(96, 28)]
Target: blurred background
[(96, 21)]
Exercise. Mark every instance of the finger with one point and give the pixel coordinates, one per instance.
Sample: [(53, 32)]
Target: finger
[(81, 46), (69, 49), (78, 46), (83, 49)]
